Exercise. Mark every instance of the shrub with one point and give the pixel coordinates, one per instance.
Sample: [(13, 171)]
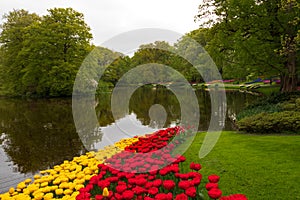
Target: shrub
[(271, 104), (267, 108), (297, 101), (279, 122)]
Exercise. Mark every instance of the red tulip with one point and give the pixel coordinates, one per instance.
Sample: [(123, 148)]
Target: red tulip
[(195, 166), (128, 195), (213, 178), (234, 197), (210, 186), (191, 192), (181, 196), (169, 184), (215, 193)]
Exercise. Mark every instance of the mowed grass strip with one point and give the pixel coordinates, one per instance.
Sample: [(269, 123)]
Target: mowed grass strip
[(259, 166)]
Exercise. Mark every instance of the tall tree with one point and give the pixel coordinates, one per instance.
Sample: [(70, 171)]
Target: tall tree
[(117, 69), (151, 57), (192, 46), (260, 35), (42, 54), (13, 34), (54, 50)]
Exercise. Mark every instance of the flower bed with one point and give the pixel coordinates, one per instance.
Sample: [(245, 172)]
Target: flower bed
[(144, 167), (148, 169), (65, 180)]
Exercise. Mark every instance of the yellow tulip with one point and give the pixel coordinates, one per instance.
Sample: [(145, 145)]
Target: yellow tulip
[(22, 197), (46, 189), (38, 195), (71, 185), (87, 177), (53, 187), (64, 179), (21, 185), (105, 192), (79, 186), (59, 191), (28, 181), (11, 190), (44, 184), (68, 192), (15, 193), (64, 185), (48, 196), (79, 181), (80, 175), (37, 176), (72, 176), (74, 195), (43, 172), (56, 181), (26, 191), (33, 187)]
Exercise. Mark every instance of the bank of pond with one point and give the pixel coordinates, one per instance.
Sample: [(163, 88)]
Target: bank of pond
[(38, 134)]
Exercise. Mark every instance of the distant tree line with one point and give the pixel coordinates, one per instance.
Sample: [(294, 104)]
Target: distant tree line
[(41, 55)]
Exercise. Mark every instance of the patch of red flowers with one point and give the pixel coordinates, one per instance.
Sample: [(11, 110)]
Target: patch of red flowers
[(234, 197), (148, 170)]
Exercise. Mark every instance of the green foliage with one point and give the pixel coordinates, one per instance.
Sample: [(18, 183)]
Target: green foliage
[(274, 114), (14, 34), (297, 101), (185, 57), (259, 166), (94, 73), (267, 108), (116, 70), (270, 104), (269, 90), (43, 54), (276, 98), (258, 37), (278, 122), (150, 61), (61, 79)]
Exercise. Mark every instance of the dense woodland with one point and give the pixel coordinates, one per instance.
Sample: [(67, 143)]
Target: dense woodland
[(40, 55)]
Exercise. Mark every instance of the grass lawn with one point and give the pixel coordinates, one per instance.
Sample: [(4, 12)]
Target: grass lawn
[(268, 90), (263, 167)]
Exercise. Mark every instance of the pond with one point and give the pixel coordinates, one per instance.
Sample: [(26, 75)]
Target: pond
[(36, 134)]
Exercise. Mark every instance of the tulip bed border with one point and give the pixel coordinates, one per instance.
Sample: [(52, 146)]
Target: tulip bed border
[(144, 167)]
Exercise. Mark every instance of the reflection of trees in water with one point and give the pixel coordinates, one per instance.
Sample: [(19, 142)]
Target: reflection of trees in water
[(236, 101), (41, 133), (103, 109), (86, 122), (140, 103), (145, 97), (38, 133)]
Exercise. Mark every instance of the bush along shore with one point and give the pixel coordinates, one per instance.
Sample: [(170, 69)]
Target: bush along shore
[(279, 113), (145, 167)]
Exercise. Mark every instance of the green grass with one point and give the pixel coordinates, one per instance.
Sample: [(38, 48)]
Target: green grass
[(268, 90), (259, 166)]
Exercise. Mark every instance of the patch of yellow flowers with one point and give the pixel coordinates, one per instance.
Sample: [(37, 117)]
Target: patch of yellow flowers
[(65, 180)]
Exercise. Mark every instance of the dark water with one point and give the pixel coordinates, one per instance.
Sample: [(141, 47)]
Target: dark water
[(38, 134)]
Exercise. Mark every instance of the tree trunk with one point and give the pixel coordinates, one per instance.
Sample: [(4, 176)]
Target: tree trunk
[(289, 78)]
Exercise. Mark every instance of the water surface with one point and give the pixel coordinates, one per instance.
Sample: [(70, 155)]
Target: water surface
[(38, 134)]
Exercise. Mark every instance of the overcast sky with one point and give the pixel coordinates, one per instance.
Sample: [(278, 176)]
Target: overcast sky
[(108, 18)]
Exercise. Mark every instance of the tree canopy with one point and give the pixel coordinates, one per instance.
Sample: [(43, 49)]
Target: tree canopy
[(42, 54), (261, 37)]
